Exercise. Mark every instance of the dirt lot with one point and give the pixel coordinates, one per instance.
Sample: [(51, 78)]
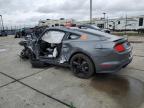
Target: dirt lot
[(22, 86)]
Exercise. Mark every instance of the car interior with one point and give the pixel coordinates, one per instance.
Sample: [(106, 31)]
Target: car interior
[(50, 44)]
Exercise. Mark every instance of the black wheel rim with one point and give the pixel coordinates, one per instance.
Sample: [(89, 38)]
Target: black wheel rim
[(80, 66)]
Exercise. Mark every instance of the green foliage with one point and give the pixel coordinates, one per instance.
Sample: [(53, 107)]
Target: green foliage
[(72, 106)]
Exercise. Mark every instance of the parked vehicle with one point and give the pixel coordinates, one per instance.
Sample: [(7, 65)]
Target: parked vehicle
[(28, 31), (85, 51), (18, 34), (3, 33)]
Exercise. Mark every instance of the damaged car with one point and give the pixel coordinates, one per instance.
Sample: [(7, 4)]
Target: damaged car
[(85, 51)]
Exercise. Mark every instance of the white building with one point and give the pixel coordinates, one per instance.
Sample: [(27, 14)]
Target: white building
[(57, 22), (129, 23)]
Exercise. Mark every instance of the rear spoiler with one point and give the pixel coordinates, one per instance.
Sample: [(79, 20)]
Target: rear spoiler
[(122, 40)]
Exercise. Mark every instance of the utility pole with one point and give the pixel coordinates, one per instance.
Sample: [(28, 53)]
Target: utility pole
[(2, 22), (107, 22), (104, 20), (104, 14), (126, 24), (90, 11)]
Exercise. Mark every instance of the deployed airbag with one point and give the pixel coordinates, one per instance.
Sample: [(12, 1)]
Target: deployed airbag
[(53, 37)]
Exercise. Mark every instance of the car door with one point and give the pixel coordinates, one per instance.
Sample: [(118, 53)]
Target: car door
[(67, 46), (51, 36)]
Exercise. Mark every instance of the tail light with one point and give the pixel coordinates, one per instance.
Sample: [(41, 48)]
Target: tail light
[(119, 48)]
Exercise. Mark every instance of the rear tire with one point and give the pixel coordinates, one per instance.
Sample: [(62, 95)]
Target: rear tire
[(82, 66)]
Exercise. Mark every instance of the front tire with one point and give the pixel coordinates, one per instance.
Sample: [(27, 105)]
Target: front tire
[(82, 66)]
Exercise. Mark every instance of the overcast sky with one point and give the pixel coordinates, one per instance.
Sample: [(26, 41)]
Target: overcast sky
[(29, 12)]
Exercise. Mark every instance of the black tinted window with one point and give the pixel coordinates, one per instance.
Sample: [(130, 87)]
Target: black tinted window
[(73, 37), (140, 21)]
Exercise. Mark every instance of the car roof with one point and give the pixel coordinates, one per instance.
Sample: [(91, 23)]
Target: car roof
[(88, 31), (76, 30), (70, 30), (82, 31)]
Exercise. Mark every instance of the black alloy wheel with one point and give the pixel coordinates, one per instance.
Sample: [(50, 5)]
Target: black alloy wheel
[(82, 66)]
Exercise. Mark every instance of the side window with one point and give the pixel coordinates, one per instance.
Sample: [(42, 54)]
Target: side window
[(73, 37), (140, 21), (53, 36)]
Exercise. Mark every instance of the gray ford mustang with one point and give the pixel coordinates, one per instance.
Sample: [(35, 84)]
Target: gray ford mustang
[(84, 50)]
